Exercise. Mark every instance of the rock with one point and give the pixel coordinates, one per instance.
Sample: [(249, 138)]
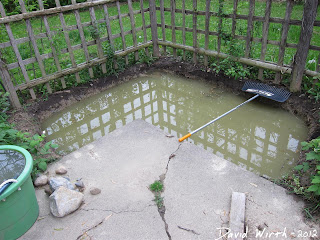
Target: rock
[(41, 181), (80, 185), (95, 191), (61, 170), (65, 201), (48, 190), (56, 182)]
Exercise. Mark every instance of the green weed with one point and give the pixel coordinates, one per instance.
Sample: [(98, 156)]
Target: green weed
[(159, 201), (157, 186)]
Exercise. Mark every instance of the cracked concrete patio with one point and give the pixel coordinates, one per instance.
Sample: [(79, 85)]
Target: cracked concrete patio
[(197, 192)]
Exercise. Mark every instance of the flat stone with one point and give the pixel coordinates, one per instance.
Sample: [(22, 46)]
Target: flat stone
[(56, 182), (61, 170), (41, 181), (95, 191), (65, 201)]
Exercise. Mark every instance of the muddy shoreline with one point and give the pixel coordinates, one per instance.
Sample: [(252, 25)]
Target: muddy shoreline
[(37, 111)]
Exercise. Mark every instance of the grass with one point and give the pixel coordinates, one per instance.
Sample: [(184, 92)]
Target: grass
[(26, 50)]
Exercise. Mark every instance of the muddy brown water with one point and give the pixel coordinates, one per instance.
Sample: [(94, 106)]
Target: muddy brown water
[(258, 137)]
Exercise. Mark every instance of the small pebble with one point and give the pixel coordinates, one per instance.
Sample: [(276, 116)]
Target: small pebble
[(79, 184), (41, 181), (61, 170), (95, 191), (47, 190)]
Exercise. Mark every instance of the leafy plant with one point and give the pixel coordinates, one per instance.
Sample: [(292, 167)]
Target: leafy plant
[(313, 155), (5, 104), (157, 186), (229, 66), (34, 144), (312, 87), (159, 201)]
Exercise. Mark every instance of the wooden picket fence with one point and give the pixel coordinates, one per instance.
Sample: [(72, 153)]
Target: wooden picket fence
[(159, 38)]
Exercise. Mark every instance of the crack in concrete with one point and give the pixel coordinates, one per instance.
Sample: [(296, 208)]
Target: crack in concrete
[(162, 177), (85, 231)]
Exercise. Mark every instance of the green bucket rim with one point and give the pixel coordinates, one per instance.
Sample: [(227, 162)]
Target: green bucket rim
[(25, 173)]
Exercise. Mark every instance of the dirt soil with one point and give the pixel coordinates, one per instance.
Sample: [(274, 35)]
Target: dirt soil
[(36, 111)]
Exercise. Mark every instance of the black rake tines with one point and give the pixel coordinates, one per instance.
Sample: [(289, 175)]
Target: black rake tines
[(264, 90)]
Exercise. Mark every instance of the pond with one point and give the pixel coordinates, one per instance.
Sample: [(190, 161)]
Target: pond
[(260, 138)]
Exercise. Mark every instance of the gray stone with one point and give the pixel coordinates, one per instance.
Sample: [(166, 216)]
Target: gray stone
[(95, 191), (41, 181), (79, 184), (48, 190), (56, 182), (65, 201), (61, 170)]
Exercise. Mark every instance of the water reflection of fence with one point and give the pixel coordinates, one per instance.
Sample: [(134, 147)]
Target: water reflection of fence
[(163, 104)]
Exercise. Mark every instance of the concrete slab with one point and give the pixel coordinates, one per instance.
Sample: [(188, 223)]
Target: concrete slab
[(197, 195), (198, 190), (122, 164)]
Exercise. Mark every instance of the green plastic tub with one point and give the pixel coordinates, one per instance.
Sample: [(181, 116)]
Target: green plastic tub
[(18, 204)]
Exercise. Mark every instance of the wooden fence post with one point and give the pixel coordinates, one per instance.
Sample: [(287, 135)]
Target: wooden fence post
[(4, 74), (154, 28), (299, 62)]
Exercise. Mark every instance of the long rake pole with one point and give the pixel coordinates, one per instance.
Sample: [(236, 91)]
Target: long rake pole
[(216, 119)]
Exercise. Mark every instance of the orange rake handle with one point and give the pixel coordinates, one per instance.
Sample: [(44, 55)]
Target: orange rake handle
[(184, 137)]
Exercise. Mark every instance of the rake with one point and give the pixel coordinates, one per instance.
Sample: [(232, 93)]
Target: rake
[(260, 89)]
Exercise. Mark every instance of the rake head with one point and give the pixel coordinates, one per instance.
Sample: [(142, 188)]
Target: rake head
[(264, 90)]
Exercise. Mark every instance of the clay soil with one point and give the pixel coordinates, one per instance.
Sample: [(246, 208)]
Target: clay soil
[(30, 117)]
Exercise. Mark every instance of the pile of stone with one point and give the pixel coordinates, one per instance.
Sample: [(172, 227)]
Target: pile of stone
[(64, 196)]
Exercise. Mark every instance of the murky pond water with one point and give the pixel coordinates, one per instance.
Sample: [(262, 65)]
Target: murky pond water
[(257, 137)]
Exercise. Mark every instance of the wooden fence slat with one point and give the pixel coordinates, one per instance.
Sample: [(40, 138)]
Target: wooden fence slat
[(67, 38), (144, 29), (8, 85), (195, 39), (34, 45), (107, 20), (16, 51), (234, 18), (122, 32), (68, 8), (82, 38), (265, 32), (173, 24), (220, 11), (206, 44), (163, 25), (249, 28), (245, 61), (80, 67), (58, 9), (97, 36), (299, 63), (133, 29), (53, 49), (154, 30), (184, 27), (284, 35), (109, 31)]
